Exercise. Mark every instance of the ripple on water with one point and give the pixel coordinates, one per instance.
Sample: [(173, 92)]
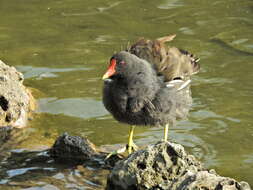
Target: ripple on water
[(186, 30), (248, 159), (171, 4), (182, 134), (98, 10), (76, 107), (24, 165), (45, 72), (44, 187), (239, 40), (21, 171)]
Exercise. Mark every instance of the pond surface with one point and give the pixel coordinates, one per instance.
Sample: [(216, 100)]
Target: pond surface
[(63, 48)]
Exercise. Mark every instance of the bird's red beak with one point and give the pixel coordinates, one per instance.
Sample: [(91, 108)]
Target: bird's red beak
[(111, 70)]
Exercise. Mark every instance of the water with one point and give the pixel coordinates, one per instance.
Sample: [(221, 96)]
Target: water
[(63, 48)]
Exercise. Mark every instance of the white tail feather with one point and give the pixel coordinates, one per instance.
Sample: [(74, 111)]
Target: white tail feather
[(185, 84), (173, 83)]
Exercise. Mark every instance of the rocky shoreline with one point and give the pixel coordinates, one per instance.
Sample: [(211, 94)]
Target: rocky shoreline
[(16, 101), (161, 166)]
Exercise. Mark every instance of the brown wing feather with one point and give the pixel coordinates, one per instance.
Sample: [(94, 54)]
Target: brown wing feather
[(168, 61)]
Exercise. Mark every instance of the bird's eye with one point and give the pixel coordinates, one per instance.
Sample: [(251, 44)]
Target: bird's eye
[(122, 62), (112, 59)]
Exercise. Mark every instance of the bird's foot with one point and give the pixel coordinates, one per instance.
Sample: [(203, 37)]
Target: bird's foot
[(131, 147), (164, 140), (116, 152), (128, 148)]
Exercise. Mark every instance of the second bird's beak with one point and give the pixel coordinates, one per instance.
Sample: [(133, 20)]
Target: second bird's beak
[(111, 70)]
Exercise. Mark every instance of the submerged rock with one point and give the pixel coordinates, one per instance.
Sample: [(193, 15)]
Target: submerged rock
[(166, 166), (75, 149), (15, 100), (72, 148)]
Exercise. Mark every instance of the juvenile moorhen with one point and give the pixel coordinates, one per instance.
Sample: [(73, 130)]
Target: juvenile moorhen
[(149, 84)]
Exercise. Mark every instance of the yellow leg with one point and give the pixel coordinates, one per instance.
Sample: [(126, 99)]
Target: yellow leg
[(130, 147), (166, 129), (130, 140)]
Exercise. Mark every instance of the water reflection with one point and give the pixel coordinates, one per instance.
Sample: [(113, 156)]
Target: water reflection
[(21, 171), (186, 30), (36, 170), (170, 4), (75, 107), (45, 72)]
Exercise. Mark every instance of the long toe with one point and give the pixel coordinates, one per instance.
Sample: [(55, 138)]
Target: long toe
[(135, 147), (119, 151)]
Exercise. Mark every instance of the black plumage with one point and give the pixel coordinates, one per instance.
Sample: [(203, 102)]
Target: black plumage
[(137, 95), (149, 84)]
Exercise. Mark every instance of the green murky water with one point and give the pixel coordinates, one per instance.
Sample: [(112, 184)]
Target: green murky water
[(63, 47)]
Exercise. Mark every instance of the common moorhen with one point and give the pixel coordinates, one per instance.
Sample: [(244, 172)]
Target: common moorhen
[(149, 84)]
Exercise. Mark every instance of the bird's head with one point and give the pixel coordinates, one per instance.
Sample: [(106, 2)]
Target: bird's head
[(123, 64)]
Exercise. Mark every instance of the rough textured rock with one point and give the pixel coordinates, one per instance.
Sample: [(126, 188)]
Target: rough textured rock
[(163, 166), (167, 166), (73, 148), (76, 149), (15, 99)]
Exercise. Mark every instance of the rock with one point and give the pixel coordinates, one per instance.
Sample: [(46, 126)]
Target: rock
[(166, 166), (76, 149), (15, 100), (163, 166)]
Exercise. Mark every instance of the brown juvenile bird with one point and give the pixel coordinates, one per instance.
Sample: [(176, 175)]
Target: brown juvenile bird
[(169, 61), (149, 84)]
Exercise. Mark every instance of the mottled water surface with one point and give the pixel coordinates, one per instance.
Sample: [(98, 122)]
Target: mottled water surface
[(63, 48)]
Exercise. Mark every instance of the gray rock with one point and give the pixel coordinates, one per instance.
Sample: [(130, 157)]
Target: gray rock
[(166, 166), (163, 166), (15, 99), (74, 148)]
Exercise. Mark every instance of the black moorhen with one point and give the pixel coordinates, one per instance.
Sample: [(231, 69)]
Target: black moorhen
[(149, 84)]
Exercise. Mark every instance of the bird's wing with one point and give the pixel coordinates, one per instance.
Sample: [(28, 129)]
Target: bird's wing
[(178, 64)]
